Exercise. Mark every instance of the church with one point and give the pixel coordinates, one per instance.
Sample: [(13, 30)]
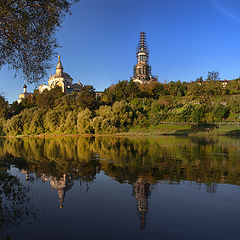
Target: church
[(24, 95), (61, 79), (141, 74)]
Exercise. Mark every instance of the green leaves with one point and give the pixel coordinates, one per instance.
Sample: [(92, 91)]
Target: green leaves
[(27, 34), (220, 112)]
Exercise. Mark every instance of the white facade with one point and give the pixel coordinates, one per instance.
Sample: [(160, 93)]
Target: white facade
[(60, 79)]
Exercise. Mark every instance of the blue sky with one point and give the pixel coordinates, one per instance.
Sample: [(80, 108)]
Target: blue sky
[(186, 38)]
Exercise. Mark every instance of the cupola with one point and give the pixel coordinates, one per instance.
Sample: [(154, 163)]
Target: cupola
[(59, 68)]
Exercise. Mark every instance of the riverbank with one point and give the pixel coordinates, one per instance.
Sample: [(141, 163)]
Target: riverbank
[(228, 129), (221, 129)]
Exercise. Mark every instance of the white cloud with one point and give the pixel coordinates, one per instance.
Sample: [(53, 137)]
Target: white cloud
[(226, 11)]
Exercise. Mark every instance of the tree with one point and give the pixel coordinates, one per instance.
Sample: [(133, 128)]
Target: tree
[(47, 98), (213, 76), (3, 107), (221, 112), (15, 108), (86, 98), (27, 34), (120, 90), (198, 114), (131, 89)]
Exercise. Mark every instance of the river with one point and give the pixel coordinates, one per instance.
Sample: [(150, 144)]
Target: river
[(163, 187)]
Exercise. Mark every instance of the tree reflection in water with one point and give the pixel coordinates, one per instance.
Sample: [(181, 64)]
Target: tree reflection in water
[(141, 162), (15, 204)]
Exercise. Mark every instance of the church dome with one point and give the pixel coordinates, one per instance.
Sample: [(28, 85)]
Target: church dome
[(66, 76)]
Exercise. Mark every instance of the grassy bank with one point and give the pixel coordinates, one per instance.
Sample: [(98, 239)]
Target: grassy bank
[(188, 129), (227, 129)]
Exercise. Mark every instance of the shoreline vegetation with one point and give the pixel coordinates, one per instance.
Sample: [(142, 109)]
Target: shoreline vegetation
[(165, 129), (126, 108)]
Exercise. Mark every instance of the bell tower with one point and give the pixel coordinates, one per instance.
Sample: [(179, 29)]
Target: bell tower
[(142, 70)]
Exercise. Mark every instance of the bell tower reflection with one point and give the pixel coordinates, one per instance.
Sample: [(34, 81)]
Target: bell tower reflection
[(142, 191)]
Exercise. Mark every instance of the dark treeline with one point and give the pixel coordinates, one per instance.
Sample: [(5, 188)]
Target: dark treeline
[(122, 106)]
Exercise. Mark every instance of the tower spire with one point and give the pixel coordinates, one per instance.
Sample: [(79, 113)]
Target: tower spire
[(142, 47), (59, 68), (142, 71)]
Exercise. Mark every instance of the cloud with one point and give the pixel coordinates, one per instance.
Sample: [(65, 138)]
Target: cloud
[(226, 11)]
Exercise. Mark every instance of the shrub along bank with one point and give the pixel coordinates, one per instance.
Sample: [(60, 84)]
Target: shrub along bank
[(123, 107)]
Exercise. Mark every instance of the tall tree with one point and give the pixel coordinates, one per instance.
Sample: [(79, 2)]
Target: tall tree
[(27, 34), (213, 76), (3, 107)]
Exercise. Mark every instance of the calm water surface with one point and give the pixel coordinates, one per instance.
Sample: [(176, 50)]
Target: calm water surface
[(120, 188)]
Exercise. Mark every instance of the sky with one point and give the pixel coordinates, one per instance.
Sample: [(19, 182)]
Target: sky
[(186, 39)]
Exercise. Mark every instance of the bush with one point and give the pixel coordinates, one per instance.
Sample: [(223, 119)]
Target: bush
[(14, 126), (157, 114), (220, 112), (84, 122), (198, 114), (70, 125), (37, 124), (2, 124), (52, 121)]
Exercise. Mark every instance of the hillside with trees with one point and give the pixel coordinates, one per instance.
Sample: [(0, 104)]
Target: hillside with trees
[(124, 107)]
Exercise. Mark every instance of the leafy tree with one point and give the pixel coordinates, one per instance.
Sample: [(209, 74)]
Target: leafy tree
[(234, 106), (2, 124), (27, 34), (47, 98), (84, 121), (132, 89), (123, 115), (220, 112), (198, 114), (213, 76), (15, 108), (157, 114), (3, 107), (205, 100), (52, 120), (234, 86), (70, 125), (120, 90), (37, 124), (86, 98), (108, 95), (105, 121), (213, 88), (177, 88), (196, 89), (14, 126)]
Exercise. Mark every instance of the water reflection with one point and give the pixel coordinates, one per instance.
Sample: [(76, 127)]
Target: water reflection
[(125, 160), (15, 204), (142, 191), (139, 162), (62, 185)]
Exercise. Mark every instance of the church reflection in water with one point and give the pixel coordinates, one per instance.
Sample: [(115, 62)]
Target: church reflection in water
[(142, 191), (62, 185), (141, 163)]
